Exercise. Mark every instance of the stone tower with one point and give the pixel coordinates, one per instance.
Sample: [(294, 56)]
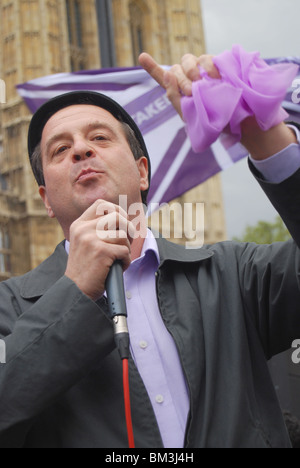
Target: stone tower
[(43, 37)]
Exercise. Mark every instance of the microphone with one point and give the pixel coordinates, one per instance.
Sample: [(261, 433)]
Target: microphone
[(117, 307), (115, 290)]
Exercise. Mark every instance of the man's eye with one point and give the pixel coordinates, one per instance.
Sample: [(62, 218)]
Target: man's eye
[(61, 149), (100, 138)]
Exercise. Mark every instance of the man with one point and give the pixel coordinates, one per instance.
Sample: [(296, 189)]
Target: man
[(202, 323)]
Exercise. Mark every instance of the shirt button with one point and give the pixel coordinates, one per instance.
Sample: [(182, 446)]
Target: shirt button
[(128, 295), (143, 344), (159, 399)]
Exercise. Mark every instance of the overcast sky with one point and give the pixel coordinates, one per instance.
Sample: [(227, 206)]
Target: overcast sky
[(272, 28)]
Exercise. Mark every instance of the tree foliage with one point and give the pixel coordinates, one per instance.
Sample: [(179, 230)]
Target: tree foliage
[(266, 233)]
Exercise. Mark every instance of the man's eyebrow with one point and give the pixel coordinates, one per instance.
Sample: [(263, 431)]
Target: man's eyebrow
[(55, 138), (103, 126), (67, 134), (100, 125)]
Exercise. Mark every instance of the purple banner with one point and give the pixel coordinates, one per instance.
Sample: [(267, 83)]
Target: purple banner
[(176, 168)]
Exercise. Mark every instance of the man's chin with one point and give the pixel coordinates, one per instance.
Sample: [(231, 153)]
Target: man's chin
[(90, 200)]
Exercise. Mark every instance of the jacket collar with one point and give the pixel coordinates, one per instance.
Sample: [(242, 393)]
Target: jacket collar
[(178, 253), (38, 281)]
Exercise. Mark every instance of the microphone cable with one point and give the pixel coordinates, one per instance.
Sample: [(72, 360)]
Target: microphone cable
[(130, 434)]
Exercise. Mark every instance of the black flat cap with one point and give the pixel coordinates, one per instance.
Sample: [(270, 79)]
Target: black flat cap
[(47, 110)]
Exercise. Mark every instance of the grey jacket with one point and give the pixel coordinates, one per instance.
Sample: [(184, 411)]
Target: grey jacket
[(229, 308)]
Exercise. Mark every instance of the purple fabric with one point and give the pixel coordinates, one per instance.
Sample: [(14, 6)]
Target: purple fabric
[(248, 86)]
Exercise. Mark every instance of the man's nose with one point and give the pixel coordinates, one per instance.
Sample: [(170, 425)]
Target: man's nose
[(82, 151)]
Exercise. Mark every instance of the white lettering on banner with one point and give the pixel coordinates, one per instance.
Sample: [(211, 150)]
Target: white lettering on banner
[(2, 352), (296, 354), (151, 110), (2, 92)]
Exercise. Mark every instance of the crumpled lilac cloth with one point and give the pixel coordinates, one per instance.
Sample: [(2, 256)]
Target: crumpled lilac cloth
[(248, 86)]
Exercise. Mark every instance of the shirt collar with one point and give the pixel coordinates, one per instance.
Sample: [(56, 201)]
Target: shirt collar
[(150, 244), (35, 283), (67, 247)]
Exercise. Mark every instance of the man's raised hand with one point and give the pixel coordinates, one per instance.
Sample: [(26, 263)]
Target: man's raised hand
[(178, 80)]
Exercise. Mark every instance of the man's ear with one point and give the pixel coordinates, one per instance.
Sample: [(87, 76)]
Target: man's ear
[(44, 197), (142, 165)]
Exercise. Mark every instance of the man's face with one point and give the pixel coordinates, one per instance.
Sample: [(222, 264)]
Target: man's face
[(86, 157)]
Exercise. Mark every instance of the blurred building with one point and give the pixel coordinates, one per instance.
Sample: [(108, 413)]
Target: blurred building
[(43, 37)]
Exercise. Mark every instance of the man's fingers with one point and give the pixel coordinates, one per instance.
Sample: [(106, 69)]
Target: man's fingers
[(152, 67), (117, 224), (190, 67), (183, 82), (104, 208), (163, 77), (90, 213), (186, 73), (173, 92), (206, 62)]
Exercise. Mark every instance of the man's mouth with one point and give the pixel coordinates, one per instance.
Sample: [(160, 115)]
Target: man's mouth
[(87, 174)]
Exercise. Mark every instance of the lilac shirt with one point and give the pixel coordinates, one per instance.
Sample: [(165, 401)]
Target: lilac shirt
[(152, 347)]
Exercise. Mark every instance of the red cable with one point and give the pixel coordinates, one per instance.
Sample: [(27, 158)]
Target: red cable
[(127, 404)]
